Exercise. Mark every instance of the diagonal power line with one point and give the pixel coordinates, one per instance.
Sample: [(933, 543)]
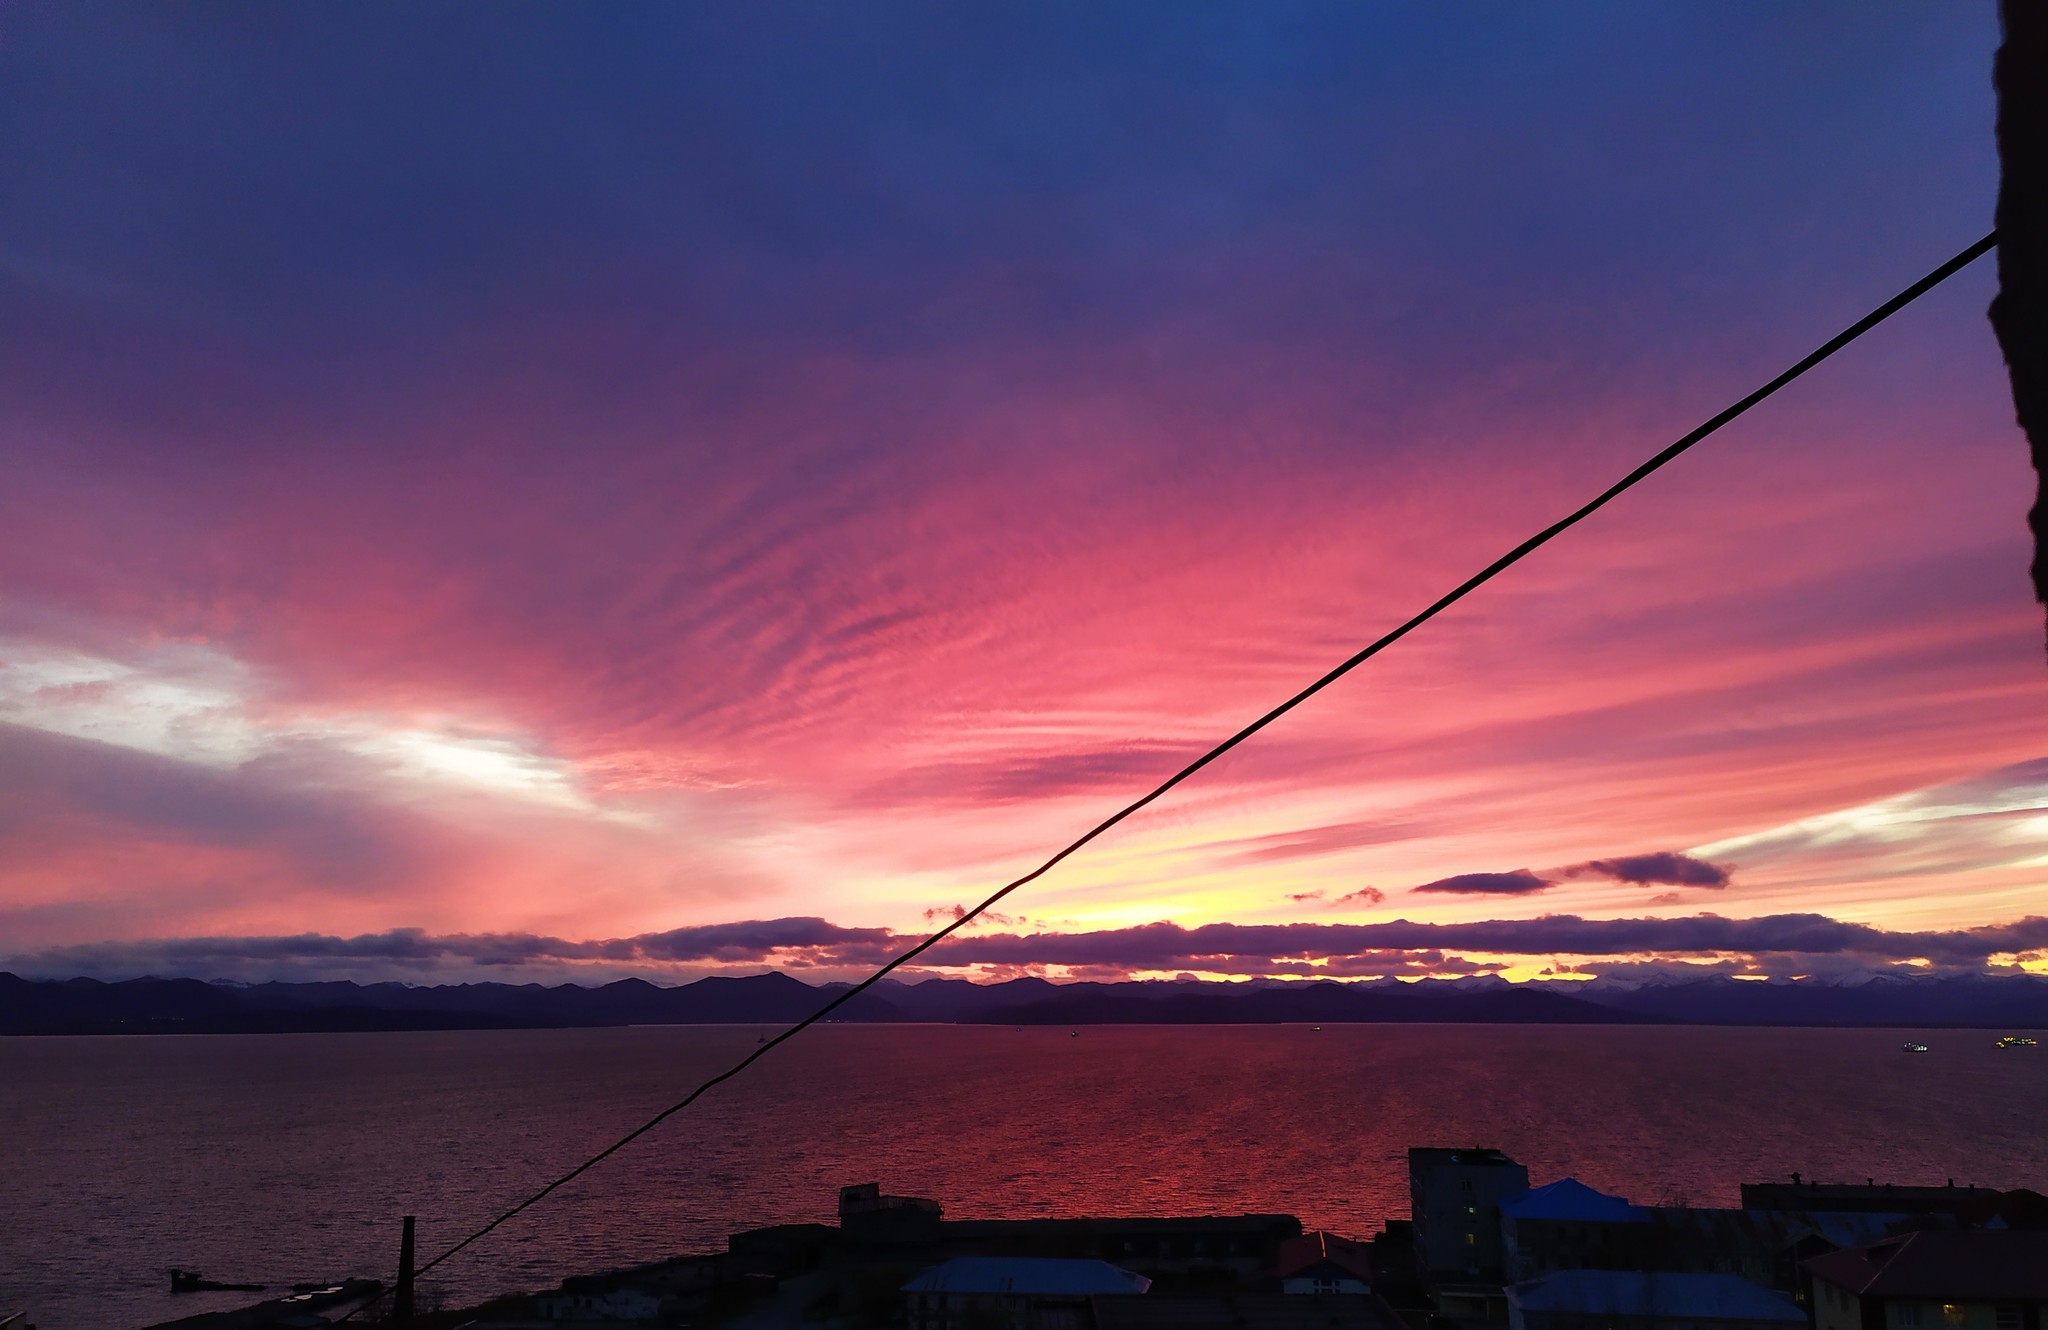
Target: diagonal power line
[(1668, 454)]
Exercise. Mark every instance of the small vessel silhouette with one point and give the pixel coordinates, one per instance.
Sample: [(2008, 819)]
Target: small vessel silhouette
[(191, 1281)]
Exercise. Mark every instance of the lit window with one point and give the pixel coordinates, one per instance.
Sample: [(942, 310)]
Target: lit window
[(1471, 1239), (1951, 1313), (1471, 1209)]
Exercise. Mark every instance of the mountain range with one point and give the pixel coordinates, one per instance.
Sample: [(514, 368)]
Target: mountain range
[(152, 1005)]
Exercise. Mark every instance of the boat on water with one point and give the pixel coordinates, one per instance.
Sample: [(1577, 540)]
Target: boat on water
[(1914, 1048), (2016, 1041), (191, 1281)]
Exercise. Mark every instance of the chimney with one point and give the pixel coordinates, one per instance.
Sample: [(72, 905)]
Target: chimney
[(401, 1301)]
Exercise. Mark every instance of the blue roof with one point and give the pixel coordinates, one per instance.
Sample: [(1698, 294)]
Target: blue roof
[(1846, 1229), (1027, 1275), (1698, 1297), (1570, 1199)]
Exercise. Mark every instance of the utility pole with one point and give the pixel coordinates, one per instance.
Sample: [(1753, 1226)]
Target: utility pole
[(401, 1300), (2019, 313)]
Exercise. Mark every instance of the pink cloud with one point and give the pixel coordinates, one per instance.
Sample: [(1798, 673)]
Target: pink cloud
[(840, 557)]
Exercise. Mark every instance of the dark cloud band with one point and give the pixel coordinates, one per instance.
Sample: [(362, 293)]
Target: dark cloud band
[(1665, 868), (814, 944), (1521, 882)]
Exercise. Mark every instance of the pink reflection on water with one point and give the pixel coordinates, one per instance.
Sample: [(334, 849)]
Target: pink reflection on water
[(286, 1158)]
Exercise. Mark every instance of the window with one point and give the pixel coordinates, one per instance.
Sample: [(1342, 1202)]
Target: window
[(1471, 1239), (1906, 1315), (1952, 1313), (1471, 1209), (2007, 1317)]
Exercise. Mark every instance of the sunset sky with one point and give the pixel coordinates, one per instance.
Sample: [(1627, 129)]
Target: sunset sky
[(519, 491)]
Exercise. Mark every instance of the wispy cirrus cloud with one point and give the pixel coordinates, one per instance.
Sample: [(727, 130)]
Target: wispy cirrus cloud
[(1361, 896), (1314, 842), (999, 777), (986, 919)]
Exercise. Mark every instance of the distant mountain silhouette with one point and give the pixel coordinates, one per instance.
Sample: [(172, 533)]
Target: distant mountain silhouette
[(1980, 1001), (1219, 1004), (190, 1006), (167, 1006)]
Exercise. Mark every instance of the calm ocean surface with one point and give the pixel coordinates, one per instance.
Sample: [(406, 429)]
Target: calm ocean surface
[(284, 1158)]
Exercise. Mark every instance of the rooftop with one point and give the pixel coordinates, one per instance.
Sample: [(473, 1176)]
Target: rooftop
[(1299, 1255), (1776, 1229), (868, 1197), (1802, 1194), (1948, 1264), (1631, 1293), (1245, 1311), (1477, 1155), (1570, 1199), (1184, 1225), (1039, 1275)]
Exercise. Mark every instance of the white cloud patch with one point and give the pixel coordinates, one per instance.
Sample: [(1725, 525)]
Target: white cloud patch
[(179, 700), (1992, 820), (194, 703)]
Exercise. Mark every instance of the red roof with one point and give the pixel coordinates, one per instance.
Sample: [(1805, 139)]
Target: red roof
[(1949, 1264)]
